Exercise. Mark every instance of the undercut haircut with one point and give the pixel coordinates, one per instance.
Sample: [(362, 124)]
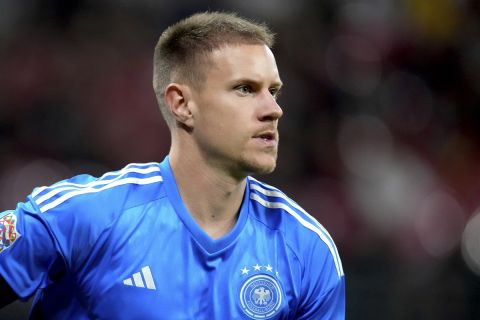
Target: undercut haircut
[(182, 51)]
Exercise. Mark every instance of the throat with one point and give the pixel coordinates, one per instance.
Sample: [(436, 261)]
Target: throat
[(212, 197), (216, 228)]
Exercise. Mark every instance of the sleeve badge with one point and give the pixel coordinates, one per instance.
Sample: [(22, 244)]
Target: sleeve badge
[(8, 230)]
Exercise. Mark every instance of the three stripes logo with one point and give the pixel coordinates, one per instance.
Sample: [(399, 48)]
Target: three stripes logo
[(142, 279)]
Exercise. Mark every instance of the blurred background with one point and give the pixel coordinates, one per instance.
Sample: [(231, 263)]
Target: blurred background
[(380, 138)]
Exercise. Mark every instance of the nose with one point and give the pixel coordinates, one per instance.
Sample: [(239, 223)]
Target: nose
[(270, 110)]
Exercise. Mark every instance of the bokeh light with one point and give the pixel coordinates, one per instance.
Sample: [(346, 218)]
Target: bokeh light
[(471, 243), (439, 224), (365, 144)]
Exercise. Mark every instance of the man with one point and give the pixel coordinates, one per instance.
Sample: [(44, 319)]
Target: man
[(192, 237)]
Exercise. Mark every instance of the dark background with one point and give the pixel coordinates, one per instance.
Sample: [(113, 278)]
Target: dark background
[(379, 139)]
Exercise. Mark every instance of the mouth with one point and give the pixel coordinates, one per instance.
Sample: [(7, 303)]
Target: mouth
[(268, 137)]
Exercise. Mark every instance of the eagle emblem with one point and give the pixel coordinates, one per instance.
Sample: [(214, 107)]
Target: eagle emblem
[(261, 296)]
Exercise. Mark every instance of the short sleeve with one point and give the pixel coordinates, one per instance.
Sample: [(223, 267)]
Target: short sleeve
[(323, 285), (27, 250)]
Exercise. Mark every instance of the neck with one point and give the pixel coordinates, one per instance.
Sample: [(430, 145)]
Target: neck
[(212, 197)]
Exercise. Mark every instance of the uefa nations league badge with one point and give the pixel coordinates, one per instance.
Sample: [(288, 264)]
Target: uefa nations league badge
[(260, 295), (8, 229)]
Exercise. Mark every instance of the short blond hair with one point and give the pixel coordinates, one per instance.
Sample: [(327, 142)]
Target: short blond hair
[(182, 51)]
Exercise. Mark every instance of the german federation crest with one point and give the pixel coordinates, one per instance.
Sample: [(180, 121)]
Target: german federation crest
[(261, 296)]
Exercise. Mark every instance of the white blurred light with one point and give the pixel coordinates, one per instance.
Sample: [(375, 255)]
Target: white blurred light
[(390, 200), (388, 182), (471, 243), (365, 145), (439, 224), (353, 65)]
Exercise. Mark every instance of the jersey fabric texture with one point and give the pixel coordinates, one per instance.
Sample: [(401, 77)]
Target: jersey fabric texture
[(124, 246)]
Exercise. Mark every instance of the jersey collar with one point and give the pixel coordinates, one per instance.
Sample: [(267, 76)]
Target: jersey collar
[(210, 245)]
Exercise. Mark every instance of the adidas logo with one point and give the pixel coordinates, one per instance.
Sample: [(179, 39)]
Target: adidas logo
[(139, 282)]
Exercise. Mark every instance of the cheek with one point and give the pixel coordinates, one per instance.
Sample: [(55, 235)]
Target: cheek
[(219, 122), (214, 129), (226, 118), (229, 134)]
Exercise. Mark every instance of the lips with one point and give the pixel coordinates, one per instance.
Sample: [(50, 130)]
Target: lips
[(269, 137), (266, 135)]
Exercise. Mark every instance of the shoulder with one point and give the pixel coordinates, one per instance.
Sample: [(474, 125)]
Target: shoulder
[(126, 187), (77, 211), (305, 235)]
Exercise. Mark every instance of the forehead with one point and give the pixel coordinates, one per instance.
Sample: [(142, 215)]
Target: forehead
[(252, 61)]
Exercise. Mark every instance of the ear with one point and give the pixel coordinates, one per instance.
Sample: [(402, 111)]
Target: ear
[(177, 99)]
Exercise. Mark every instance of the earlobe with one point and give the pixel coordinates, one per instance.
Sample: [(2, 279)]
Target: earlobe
[(177, 98)]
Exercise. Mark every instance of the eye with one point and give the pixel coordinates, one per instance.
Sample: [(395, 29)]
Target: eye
[(275, 92), (244, 89)]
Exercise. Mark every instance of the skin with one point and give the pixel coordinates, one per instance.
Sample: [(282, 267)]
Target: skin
[(226, 130)]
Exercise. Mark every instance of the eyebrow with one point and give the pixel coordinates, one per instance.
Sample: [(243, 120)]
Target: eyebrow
[(278, 84), (275, 84)]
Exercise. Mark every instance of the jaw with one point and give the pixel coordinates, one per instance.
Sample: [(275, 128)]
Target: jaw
[(260, 162), (236, 158)]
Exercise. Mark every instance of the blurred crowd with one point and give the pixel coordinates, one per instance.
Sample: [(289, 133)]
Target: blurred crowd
[(380, 138)]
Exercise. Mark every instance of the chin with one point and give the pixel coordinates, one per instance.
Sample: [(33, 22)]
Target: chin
[(261, 166)]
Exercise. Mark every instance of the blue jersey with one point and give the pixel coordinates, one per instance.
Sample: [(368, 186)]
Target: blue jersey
[(124, 246)]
